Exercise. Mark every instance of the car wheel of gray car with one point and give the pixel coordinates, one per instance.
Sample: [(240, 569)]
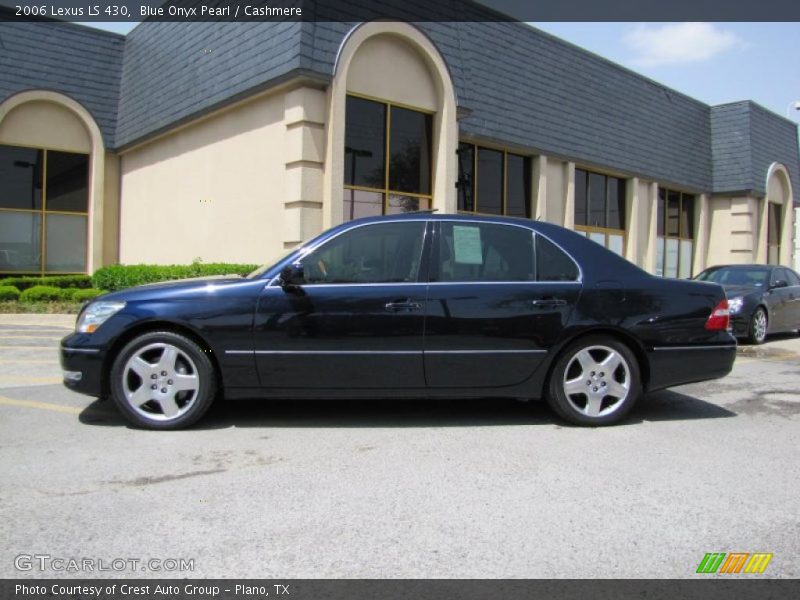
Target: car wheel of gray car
[(162, 380), (595, 381), (757, 330)]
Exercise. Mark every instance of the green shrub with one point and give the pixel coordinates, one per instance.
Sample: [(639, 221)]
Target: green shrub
[(59, 281), (44, 293), (117, 277), (88, 294), (8, 292)]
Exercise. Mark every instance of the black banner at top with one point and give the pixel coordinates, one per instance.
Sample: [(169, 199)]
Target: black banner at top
[(403, 10)]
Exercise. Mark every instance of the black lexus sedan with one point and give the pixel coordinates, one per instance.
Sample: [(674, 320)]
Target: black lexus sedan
[(762, 299), (414, 305)]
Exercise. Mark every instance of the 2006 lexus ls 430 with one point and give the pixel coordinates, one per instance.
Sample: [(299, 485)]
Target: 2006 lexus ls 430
[(414, 305)]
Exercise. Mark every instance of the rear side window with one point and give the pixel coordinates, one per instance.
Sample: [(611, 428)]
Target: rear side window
[(485, 252), (552, 263), (791, 277)]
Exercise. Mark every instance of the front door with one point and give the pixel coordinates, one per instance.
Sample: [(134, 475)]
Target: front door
[(494, 308), (357, 321)]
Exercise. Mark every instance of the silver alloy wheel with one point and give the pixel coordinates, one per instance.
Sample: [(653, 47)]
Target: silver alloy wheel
[(160, 382), (597, 381), (759, 325)]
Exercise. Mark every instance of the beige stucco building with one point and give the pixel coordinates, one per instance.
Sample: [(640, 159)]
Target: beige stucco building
[(202, 151)]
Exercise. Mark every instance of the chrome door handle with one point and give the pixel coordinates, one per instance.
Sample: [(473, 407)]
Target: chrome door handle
[(548, 302), (404, 306)]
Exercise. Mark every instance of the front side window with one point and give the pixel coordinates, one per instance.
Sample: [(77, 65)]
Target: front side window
[(773, 233), (600, 209), (379, 253), (44, 203), (387, 159), (675, 245), (493, 182)]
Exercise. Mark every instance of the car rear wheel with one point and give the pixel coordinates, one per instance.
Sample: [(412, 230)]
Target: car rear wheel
[(757, 329), (595, 381), (162, 380)]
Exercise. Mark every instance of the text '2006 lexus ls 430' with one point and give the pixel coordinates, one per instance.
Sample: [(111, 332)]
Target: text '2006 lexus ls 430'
[(416, 305)]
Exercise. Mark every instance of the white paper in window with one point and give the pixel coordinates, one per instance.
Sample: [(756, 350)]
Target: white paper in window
[(467, 245)]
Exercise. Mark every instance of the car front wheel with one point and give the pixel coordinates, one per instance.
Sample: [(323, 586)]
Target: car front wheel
[(595, 381), (162, 380), (757, 330)]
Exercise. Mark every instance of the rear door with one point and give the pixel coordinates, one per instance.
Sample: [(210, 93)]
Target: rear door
[(493, 309), (792, 303)]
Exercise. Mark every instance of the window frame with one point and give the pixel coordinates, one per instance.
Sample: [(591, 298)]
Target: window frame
[(662, 237), (607, 232), (527, 166), (43, 212), (386, 190)]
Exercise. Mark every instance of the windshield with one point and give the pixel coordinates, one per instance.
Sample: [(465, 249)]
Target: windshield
[(750, 276), (263, 268)]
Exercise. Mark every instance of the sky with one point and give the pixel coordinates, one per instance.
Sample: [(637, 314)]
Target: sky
[(712, 62)]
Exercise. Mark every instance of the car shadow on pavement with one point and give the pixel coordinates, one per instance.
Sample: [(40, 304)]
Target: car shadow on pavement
[(660, 406)]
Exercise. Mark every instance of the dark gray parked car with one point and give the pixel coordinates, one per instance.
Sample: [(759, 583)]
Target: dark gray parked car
[(762, 299)]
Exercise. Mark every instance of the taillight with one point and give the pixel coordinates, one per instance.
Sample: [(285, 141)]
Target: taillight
[(720, 317)]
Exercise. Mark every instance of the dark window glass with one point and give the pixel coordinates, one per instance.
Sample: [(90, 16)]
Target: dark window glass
[(20, 242), (359, 203), (518, 185), (490, 181), (466, 177), (485, 252), (381, 253), (774, 224), (365, 143), (552, 264), (67, 182), (615, 214), (661, 209), (66, 243), (580, 197), (21, 178), (397, 204), (597, 200), (791, 277), (687, 216), (410, 151), (673, 214)]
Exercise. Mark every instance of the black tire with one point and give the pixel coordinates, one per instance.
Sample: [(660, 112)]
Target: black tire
[(755, 334), (569, 368), (166, 406)]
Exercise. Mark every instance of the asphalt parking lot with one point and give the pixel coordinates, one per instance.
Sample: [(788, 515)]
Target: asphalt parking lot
[(400, 489)]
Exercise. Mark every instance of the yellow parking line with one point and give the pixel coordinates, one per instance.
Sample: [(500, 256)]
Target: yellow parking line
[(37, 336), (29, 379), (22, 361), (33, 332), (40, 405), (51, 348)]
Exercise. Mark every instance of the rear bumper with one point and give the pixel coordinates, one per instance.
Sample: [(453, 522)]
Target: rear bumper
[(679, 365), (82, 365)]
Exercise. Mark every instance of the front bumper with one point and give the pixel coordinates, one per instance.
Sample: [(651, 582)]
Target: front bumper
[(740, 325), (82, 365)]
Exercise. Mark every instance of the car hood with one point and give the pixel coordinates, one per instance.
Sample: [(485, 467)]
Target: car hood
[(181, 288)]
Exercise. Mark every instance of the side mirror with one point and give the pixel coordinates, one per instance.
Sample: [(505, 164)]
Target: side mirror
[(779, 284), (291, 276)]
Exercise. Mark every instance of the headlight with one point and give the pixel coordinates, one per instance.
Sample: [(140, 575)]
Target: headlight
[(735, 305), (96, 314)]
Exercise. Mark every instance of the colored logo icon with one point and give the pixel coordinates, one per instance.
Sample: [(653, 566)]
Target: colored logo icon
[(734, 562)]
